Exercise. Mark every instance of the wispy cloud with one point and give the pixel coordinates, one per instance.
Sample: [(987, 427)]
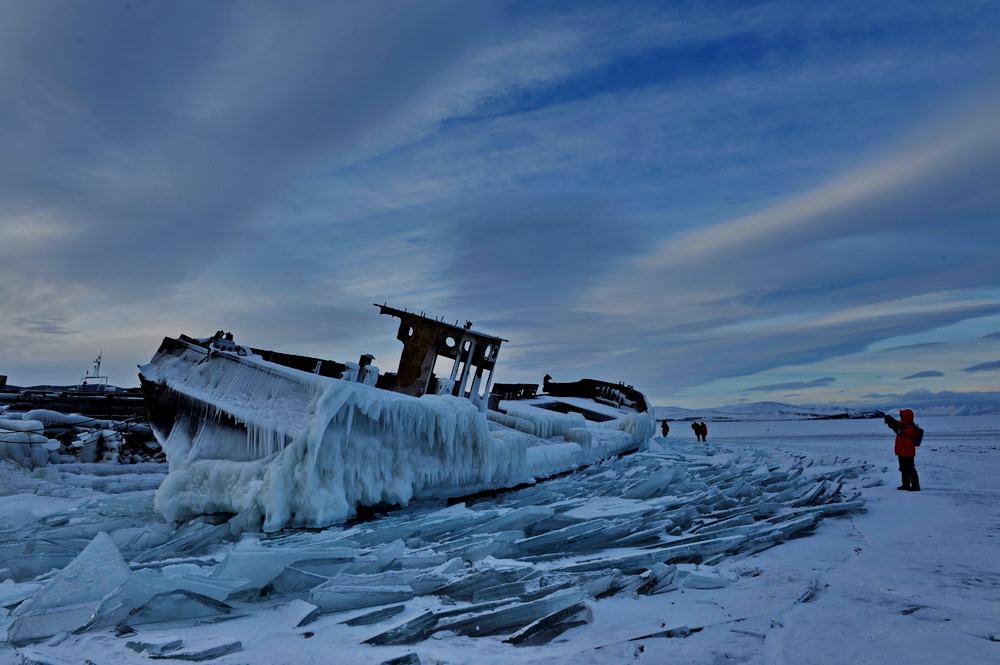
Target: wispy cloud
[(53, 326), (793, 385), (984, 367), (913, 347), (923, 375)]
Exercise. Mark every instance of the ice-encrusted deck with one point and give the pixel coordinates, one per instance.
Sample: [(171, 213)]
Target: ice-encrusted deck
[(306, 450)]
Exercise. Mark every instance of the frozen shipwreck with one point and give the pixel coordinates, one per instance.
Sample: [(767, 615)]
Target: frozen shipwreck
[(297, 441)]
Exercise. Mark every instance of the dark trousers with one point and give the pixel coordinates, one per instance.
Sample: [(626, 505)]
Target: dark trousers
[(908, 472)]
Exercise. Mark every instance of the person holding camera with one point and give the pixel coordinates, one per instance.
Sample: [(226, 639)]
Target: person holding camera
[(906, 448)]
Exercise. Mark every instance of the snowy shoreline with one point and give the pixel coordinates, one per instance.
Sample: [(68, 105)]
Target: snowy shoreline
[(912, 578)]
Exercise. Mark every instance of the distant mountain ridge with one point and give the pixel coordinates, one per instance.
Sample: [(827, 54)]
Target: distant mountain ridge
[(765, 411)]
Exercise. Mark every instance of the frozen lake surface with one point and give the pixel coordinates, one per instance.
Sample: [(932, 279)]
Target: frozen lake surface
[(667, 555)]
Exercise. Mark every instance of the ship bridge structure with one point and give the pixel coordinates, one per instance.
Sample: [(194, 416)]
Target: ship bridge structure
[(426, 340)]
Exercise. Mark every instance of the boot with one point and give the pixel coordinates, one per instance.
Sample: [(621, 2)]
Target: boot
[(903, 487), (914, 481)]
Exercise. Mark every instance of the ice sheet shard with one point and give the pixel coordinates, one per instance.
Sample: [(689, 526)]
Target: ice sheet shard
[(201, 649), (177, 606), (73, 595), (338, 598)]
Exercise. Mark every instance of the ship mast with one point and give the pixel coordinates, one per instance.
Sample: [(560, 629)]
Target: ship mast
[(94, 382)]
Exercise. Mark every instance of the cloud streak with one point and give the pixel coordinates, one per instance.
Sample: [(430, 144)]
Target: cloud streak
[(928, 374), (991, 366), (793, 385)]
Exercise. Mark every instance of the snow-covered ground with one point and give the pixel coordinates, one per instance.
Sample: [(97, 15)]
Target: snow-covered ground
[(907, 578)]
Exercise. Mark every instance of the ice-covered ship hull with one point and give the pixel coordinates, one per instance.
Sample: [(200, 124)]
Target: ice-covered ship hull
[(247, 430)]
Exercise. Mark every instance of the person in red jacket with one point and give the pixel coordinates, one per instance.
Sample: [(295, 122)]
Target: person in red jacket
[(906, 448)]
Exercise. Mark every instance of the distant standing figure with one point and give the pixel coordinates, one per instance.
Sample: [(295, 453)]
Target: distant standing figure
[(906, 448), (704, 432), (665, 428), (697, 430)]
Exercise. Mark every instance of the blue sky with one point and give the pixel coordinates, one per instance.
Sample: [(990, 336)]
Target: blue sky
[(713, 201)]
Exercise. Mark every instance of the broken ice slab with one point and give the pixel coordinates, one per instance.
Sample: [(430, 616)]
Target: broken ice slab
[(601, 586), (638, 561), (135, 540), (363, 564), (839, 508), (467, 586), (796, 489), (560, 539), (12, 593), (386, 531), (549, 627), (499, 592), (455, 520), (295, 613), (495, 614), (293, 580), (258, 564), (778, 533), (687, 500), (155, 646), (756, 510), (714, 526), (369, 618), (516, 519), (406, 659), (608, 534), (195, 537), (478, 547), (676, 631), (202, 648), (422, 559), (642, 538), (389, 552), (71, 597), (409, 632), (28, 559), (340, 598), (329, 539), (40, 624), (657, 579), (513, 617), (177, 608), (547, 494), (146, 584), (819, 493), (422, 581), (607, 507), (700, 577), (656, 484)]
